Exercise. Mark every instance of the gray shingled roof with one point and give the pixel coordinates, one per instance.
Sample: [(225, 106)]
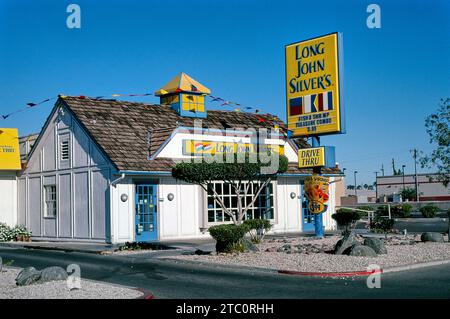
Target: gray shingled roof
[(122, 129)]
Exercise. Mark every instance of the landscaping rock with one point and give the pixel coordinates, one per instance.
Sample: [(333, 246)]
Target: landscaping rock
[(343, 244), (53, 274), (202, 252), (28, 276), (433, 237), (363, 251), (376, 244), (285, 249), (249, 246)]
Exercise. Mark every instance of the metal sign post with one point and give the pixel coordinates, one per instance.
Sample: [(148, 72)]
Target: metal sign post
[(318, 220)]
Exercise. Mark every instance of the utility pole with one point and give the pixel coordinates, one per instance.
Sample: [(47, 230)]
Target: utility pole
[(382, 169), (403, 173), (376, 187), (414, 153), (354, 174)]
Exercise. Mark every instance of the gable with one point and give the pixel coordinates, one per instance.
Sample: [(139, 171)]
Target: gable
[(63, 133)]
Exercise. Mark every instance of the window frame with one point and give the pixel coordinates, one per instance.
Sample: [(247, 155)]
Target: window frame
[(53, 199), (273, 196)]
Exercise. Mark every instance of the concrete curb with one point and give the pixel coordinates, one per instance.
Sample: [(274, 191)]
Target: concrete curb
[(330, 274), (311, 274), (68, 250), (223, 266), (417, 266)]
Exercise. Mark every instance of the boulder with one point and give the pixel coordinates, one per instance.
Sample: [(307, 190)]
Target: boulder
[(249, 246), (433, 237), (343, 244), (28, 276), (376, 244), (53, 274), (363, 251), (285, 249)]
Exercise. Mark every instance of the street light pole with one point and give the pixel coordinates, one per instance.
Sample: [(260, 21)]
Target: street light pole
[(354, 173)]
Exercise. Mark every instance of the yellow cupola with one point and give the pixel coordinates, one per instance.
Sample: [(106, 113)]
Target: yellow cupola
[(185, 95)]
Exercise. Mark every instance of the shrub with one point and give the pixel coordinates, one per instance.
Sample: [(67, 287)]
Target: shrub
[(367, 208), (346, 217), (228, 237), (399, 211), (256, 228), (5, 233), (381, 225), (20, 232), (408, 194), (429, 211)]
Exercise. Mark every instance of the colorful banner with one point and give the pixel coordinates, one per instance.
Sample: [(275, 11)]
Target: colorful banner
[(313, 80), (9, 149), (316, 191)]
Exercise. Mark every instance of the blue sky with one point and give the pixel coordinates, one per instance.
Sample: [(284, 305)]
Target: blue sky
[(394, 76)]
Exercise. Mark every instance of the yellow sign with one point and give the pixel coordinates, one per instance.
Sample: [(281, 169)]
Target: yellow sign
[(193, 147), (316, 191), (313, 86), (9, 149), (311, 157)]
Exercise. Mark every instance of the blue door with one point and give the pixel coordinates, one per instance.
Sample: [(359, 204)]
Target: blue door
[(307, 216), (146, 213)]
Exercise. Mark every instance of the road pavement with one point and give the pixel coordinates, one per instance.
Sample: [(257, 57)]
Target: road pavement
[(168, 279)]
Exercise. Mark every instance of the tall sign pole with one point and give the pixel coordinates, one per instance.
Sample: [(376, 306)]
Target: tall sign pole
[(314, 108), (318, 220)]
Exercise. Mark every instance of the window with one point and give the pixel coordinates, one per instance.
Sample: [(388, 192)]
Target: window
[(50, 201), (261, 208)]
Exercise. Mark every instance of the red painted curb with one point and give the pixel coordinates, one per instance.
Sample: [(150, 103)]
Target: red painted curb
[(330, 274), (146, 294)]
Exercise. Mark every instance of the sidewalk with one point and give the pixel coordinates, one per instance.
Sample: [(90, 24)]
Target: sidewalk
[(94, 248), (178, 246)]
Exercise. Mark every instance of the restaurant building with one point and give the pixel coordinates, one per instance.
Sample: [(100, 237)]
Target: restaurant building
[(100, 170)]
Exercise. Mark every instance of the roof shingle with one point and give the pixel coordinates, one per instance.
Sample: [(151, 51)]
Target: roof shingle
[(128, 132)]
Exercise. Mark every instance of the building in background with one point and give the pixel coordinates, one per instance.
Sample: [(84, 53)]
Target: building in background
[(430, 188), (9, 167), (100, 170), (25, 145)]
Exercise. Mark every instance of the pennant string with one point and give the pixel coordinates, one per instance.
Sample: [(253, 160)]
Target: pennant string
[(34, 104)]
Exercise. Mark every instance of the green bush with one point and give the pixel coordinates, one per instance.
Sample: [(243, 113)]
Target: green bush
[(368, 208), (20, 231), (346, 217), (398, 211), (381, 225), (429, 211), (256, 228), (228, 237), (5, 233)]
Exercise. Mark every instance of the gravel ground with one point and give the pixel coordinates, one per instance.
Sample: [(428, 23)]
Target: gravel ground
[(59, 290), (400, 252)]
